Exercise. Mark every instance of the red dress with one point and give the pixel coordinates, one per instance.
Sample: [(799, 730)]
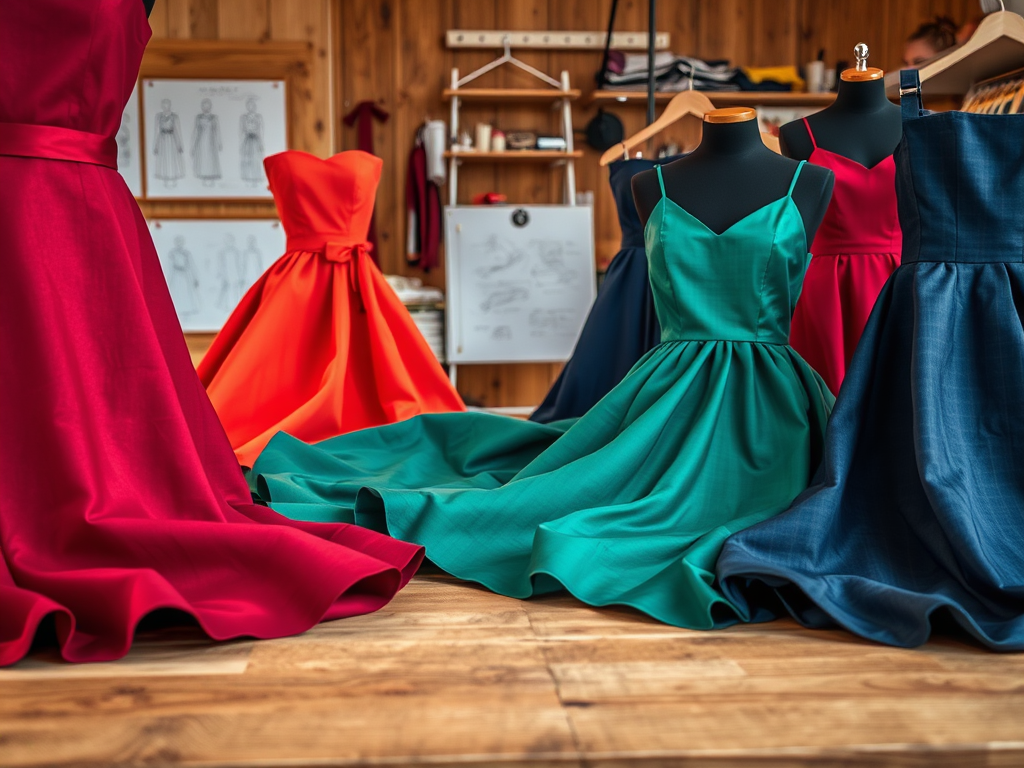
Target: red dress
[(321, 345), (856, 248), (119, 493)]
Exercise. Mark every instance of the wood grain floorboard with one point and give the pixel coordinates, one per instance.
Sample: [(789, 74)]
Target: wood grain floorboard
[(452, 675)]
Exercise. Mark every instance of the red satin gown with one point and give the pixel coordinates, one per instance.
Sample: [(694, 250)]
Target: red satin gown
[(321, 345), (119, 493), (857, 247)]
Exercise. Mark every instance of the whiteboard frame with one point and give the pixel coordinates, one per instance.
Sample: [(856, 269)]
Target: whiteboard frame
[(453, 293)]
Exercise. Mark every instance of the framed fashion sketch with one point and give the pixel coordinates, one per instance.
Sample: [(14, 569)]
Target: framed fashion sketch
[(206, 139), (210, 264), (129, 145)]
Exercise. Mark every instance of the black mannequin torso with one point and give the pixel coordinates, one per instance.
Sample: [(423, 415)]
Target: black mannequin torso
[(862, 125), (149, 6), (730, 175)]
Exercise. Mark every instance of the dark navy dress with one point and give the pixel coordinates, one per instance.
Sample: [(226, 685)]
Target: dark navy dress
[(916, 517), (621, 327)]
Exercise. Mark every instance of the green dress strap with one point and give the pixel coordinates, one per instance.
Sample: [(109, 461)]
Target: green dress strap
[(792, 184)]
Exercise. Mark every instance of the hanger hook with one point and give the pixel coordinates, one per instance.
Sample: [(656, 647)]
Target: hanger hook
[(507, 42), (860, 52)]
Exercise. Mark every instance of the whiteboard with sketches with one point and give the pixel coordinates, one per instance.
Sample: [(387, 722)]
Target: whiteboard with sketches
[(209, 264), (206, 139), (520, 281), (129, 145)]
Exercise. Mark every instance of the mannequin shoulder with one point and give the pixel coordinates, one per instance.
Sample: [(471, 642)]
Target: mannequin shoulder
[(812, 195), (815, 178), (794, 140), (646, 192)]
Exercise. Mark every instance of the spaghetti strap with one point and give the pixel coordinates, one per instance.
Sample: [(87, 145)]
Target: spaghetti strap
[(796, 175), (810, 133), (661, 181)]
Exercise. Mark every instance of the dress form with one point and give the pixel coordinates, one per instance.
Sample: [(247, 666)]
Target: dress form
[(861, 125), (731, 174)]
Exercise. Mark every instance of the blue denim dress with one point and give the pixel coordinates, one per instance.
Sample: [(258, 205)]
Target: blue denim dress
[(915, 520), (621, 327)]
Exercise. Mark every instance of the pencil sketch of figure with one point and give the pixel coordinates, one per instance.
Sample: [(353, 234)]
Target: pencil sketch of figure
[(182, 279), (250, 266), (227, 281), (168, 147), (123, 139), (206, 145), (251, 129)]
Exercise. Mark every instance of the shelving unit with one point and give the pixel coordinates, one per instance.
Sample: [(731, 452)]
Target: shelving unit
[(559, 95), (518, 95), (719, 98), (516, 156)]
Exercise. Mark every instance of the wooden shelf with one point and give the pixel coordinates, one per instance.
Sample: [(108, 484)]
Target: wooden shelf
[(516, 155), (721, 98), (519, 95)]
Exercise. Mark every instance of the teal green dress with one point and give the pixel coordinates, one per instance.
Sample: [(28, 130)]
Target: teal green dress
[(717, 428)]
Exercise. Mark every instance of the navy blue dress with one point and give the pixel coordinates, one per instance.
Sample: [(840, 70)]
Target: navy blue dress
[(621, 327), (916, 517)]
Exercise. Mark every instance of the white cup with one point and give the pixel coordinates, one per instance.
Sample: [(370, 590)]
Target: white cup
[(483, 137), (814, 74)]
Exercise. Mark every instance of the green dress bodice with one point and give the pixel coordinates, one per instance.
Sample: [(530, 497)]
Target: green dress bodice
[(739, 285)]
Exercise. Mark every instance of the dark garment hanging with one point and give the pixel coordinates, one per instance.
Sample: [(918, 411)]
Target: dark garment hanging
[(362, 116), (622, 325), (423, 204)]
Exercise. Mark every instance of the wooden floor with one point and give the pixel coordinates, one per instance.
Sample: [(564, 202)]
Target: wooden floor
[(451, 675)]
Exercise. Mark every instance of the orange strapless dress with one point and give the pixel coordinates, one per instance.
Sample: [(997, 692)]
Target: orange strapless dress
[(321, 345)]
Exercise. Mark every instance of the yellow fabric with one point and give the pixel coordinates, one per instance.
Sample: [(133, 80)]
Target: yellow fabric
[(786, 74)]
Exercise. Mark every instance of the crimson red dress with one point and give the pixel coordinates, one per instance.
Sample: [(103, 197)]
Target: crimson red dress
[(856, 248), (119, 493), (321, 345)]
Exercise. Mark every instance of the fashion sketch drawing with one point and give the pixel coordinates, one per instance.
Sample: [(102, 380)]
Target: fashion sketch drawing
[(182, 279), (168, 147), (206, 145), (251, 129), (228, 293), (250, 266)]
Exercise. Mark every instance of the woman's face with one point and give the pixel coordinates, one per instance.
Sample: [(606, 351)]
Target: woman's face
[(916, 53)]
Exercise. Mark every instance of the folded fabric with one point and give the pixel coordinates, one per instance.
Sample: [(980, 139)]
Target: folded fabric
[(784, 74), (741, 82)]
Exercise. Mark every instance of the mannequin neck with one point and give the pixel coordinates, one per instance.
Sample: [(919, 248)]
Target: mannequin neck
[(863, 96), (729, 139)]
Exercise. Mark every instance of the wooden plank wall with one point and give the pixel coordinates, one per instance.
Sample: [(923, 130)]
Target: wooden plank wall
[(391, 51)]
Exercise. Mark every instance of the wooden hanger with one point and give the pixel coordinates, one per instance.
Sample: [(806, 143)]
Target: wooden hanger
[(692, 103), (996, 46)]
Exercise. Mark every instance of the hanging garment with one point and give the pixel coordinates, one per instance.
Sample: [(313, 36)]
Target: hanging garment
[(716, 428), (423, 209), (855, 250), (917, 513), (622, 325), (362, 116), (120, 492), (321, 345)]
